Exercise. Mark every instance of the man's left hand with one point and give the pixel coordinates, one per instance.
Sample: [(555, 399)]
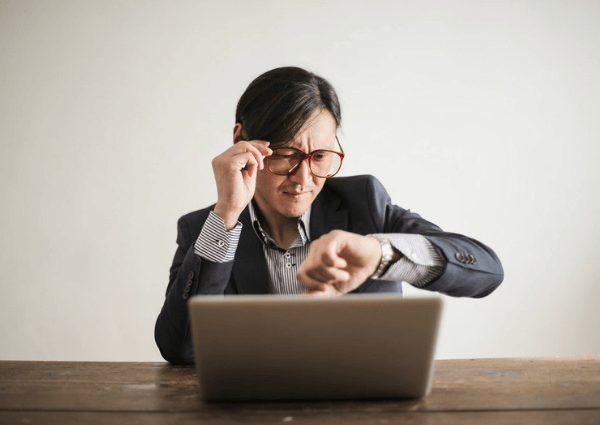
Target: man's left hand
[(339, 262)]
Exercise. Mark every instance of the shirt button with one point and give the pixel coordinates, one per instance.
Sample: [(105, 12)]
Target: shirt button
[(288, 265), (287, 255), (221, 243), (414, 256)]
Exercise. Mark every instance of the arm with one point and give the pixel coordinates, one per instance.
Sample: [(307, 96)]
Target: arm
[(192, 274), (458, 276), (471, 268), (416, 260), (201, 264)]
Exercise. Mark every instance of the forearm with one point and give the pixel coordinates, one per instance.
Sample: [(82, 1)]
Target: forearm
[(448, 263), (459, 278), (419, 261), (195, 276), (472, 269), (171, 331)]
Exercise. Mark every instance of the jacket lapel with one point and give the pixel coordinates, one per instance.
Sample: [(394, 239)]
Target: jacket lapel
[(327, 214), (250, 267)]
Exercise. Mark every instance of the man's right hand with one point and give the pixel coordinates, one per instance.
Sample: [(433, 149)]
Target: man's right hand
[(235, 172)]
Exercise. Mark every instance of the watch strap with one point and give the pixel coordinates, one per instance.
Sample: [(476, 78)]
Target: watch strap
[(387, 253)]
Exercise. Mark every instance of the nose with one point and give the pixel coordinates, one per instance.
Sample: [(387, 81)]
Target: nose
[(301, 174)]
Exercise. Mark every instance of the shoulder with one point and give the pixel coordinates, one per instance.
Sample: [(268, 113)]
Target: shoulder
[(362, 198), (361, 186), (350, 182)]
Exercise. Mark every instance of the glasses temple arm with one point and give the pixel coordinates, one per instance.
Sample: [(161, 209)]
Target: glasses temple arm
[(340, 145)]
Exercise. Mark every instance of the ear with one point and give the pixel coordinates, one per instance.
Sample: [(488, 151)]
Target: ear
[(237, 133)]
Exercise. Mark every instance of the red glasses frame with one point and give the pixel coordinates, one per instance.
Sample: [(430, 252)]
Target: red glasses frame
[(304, 156)]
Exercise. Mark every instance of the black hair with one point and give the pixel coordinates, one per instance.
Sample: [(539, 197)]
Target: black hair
[(278, 103)]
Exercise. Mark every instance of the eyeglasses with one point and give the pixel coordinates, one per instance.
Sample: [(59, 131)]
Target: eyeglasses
[(321, 163)]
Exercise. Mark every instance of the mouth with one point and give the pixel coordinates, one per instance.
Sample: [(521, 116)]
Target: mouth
[(295, 195)]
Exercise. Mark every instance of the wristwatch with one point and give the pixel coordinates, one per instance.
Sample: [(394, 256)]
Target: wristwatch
[(387, 253)]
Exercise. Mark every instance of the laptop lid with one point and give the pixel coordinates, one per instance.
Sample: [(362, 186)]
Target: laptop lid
[(275, 347)]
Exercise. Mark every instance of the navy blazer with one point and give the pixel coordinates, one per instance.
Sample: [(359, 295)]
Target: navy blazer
[(358, 204)]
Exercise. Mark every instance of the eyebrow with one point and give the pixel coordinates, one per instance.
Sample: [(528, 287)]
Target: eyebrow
[(300, 150), (284, 145)]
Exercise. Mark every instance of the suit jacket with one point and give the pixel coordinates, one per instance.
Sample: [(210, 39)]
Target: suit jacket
[(358, 204)]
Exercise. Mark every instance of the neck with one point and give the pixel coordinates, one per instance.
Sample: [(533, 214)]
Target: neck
[(283, 230)]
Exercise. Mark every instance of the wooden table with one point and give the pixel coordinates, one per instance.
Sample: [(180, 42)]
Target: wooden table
[(551, 390)]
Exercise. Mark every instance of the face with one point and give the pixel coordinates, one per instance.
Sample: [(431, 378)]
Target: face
[(280, 197)]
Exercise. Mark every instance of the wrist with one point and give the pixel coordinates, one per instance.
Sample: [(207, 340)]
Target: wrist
[(229, 218), (388, 255)]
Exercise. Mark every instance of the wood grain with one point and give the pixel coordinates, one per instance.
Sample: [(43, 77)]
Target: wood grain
[(543, 417), (518, 390)]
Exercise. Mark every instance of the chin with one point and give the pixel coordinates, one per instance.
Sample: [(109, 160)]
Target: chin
[(294, 211)]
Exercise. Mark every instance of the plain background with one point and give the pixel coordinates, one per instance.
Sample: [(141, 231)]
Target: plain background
[(482, 116)]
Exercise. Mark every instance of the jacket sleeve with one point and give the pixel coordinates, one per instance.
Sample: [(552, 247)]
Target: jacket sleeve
[(472, 268), (189, 275)]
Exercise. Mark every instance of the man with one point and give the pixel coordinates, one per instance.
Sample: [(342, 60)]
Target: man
[(282, 224)]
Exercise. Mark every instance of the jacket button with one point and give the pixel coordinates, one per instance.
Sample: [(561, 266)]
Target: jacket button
[(186, 292), (472, 259), (191, 276), (460, 257)]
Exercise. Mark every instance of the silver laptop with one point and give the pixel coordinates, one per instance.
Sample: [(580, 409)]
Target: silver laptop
[(274, 347)]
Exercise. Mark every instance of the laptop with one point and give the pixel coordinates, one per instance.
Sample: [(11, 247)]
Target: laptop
[(276, 347)]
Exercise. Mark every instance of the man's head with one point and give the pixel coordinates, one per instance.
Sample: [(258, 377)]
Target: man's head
[(278, 103), (295, 108)]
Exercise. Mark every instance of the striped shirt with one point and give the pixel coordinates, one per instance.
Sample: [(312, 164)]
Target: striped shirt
[(283, 264), (420, 263)]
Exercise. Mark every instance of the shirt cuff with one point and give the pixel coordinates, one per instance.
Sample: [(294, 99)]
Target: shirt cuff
[(421, 261), (215, 243)]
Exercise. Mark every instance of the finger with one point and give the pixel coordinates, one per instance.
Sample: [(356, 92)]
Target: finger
[(328, 275), (261, 149), (262, 146), (331, 259), (319, 274), (307, 281), (246, 164), (247, 147), (260, 157), (244, 161), (319, 288), (337, 276), (327, 291)]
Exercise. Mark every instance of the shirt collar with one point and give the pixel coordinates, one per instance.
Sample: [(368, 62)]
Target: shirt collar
[(303, 226)]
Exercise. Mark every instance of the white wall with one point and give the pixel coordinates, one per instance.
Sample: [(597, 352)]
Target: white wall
[(481, 116)]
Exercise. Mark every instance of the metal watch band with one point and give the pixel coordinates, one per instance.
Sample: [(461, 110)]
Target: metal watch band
[(387, 254)]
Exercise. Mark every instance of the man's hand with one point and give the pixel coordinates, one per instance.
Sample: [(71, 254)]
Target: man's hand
[(339, 262), (235, 173)]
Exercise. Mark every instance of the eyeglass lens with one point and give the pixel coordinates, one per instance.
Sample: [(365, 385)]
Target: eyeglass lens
[(322, 163)]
